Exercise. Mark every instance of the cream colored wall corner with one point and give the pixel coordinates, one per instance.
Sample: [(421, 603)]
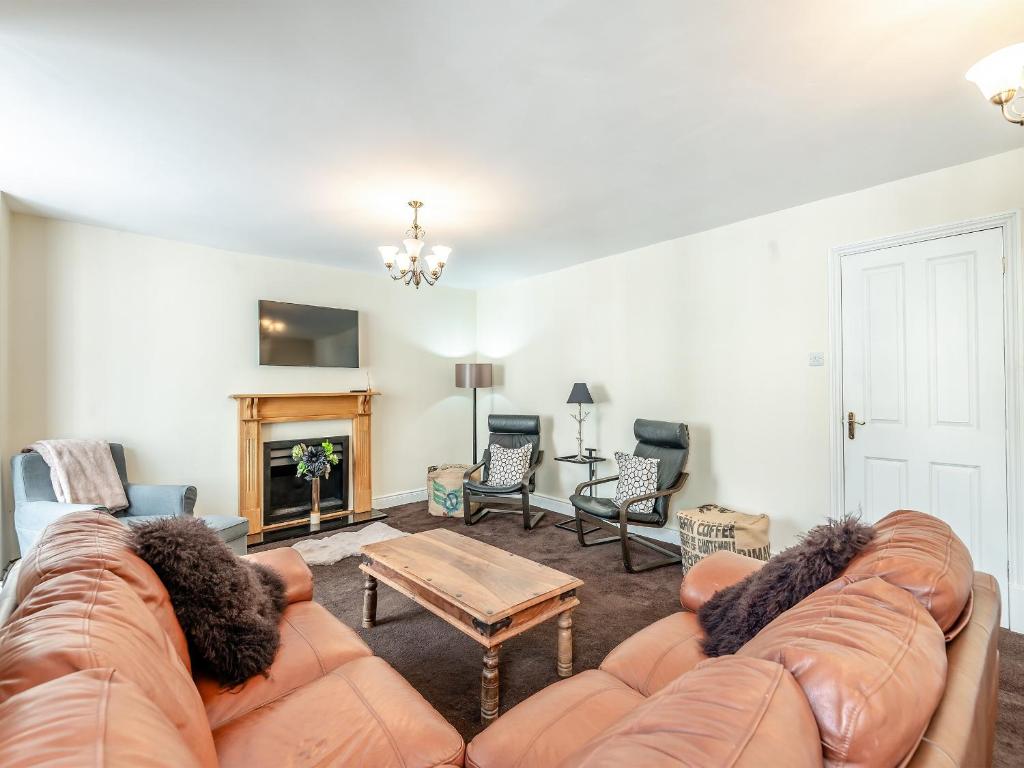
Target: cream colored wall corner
[(713, 329), (140, 340), (8, 544)]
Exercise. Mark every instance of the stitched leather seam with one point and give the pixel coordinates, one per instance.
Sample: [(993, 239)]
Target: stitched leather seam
[(372, 711), (891, 665), (646, 685), (283, 693), (103, 718), (558, 719), (758, 716), (945, 567), (316, 653), (87, 620)]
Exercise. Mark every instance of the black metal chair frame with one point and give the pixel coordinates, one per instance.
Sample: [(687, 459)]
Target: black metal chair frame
[(505, 503), (621, 527)]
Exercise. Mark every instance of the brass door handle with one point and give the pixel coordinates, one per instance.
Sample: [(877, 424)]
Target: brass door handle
[(851, 425)]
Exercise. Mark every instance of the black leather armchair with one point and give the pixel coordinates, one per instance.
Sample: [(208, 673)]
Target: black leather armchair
[(666, 441), (508, 431)]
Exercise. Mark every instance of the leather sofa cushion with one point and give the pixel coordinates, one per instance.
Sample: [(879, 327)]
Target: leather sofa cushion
[(289, 565), (313, 643), (871, 662), (657, 654), (549, 726), (360, 714), (921, 554), (731, 712), (96, 540), (716, 571), (90, 718), (91, 619)]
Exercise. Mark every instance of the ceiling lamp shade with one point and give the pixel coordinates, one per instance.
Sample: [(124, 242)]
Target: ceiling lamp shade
[(410, 261), (1000, 78)]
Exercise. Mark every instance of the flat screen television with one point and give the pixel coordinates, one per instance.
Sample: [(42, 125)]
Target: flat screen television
[(298, 334)]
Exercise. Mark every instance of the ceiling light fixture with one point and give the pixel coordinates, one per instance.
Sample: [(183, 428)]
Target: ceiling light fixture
[(1000, 78), (410, 267)]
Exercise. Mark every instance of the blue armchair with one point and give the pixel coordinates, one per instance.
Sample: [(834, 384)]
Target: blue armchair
[(36, 505)]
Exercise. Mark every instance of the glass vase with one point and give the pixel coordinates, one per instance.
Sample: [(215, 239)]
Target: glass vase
[(314, 512)]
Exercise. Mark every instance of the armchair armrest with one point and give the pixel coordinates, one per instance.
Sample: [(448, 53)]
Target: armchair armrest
[(716, 571), (468, 474), (533, 467), (289, 565), (596, 481), (627, 503), (32, 517), (149, 500)]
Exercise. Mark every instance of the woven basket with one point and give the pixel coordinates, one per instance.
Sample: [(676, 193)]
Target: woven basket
[(710, 528)]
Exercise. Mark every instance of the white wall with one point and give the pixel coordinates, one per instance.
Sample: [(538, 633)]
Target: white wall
[(140, 340), (8, 541), (713, 329)]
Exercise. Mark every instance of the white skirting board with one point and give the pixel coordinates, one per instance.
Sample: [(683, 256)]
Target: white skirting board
[(397, 499)]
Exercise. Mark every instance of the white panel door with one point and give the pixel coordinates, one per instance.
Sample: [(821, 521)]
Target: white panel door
[(923, 369)]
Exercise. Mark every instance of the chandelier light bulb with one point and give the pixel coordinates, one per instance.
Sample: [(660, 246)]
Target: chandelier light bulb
[(441, 254), (999, 74), (388, 253)]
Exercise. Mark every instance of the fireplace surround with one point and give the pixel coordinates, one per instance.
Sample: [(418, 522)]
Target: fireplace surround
[(255, 410)]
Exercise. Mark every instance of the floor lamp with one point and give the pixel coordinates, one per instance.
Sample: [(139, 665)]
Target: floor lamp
[(473, 376)]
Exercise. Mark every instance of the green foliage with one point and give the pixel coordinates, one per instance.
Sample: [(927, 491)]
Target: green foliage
[(314, 461)]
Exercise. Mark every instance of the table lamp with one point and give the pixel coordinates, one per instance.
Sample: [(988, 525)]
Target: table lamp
[(580, 395), (473, 376)]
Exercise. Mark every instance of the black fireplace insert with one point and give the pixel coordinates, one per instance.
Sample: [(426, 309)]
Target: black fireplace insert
[(287, 497)]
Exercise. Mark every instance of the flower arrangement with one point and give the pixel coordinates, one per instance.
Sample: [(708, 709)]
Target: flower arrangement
[(314, 461)]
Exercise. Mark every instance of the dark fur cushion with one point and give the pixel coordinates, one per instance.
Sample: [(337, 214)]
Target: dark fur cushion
[(737, 613), (228, 608)]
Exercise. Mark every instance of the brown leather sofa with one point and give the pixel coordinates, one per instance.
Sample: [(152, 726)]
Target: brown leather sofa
[(893, 663), (95, 670)]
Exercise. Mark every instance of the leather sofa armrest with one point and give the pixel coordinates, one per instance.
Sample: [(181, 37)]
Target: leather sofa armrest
[(717, 571), (289, 565)]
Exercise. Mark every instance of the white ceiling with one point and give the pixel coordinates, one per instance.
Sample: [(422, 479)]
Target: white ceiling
[(540, 133)]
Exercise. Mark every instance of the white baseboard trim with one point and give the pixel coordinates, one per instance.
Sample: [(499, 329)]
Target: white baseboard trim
[(397, 499), (563, 507)]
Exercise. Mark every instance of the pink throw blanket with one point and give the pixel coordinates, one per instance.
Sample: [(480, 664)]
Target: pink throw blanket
[(83, 472)]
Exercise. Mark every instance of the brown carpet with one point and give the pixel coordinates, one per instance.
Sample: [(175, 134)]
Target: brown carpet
[(444, 665)]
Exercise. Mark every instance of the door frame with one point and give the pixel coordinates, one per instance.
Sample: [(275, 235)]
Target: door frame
[(1013, 358)]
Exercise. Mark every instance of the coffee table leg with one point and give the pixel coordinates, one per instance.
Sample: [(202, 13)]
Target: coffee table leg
[(369, 601), (565, 643), (489, 680)]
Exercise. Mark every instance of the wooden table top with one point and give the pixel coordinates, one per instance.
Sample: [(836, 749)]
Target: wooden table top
[(486, 582)]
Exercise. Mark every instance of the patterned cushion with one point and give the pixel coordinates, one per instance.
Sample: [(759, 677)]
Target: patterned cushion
[(508, 465), (637, 476)]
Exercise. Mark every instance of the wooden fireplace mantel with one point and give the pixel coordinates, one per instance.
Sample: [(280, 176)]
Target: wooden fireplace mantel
[(254, 410)]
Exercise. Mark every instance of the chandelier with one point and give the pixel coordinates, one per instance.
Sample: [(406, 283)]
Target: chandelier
[(1000, 78), (409, 263)]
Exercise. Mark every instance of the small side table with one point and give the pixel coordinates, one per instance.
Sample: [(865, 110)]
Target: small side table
[(590, 460)]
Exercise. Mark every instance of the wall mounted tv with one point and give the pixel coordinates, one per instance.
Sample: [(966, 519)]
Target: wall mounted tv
[(297, 334)]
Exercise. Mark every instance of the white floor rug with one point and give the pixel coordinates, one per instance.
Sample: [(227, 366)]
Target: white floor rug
[(345, 544)]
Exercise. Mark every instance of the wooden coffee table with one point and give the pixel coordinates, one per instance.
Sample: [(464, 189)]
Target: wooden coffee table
[(487, 593)]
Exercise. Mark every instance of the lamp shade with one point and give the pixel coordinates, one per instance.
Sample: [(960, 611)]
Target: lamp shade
[(999, 72), (580, 394), (472, 375)]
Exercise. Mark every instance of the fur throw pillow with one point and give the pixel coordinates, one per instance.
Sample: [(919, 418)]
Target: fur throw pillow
[(735, 614), (228, 608)]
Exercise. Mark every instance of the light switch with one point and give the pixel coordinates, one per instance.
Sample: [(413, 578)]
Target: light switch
[(816, 359)]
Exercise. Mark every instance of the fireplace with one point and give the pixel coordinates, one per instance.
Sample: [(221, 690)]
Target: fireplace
[(287, 497)]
